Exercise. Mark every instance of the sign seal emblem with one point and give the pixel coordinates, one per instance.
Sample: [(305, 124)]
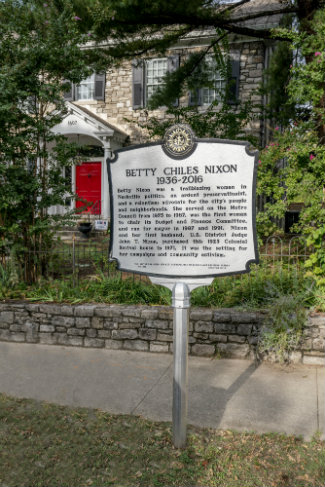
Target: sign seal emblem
[(179, 141)]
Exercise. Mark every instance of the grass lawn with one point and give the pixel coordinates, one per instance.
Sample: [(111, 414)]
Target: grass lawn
[(44, 444)]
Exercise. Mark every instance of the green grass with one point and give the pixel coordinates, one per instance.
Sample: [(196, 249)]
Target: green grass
[(109, 290), (44, 444)]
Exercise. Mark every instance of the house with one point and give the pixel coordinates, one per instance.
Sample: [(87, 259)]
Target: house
[(105, 110)]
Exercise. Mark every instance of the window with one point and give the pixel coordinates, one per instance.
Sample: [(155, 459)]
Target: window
[(218, 85), (86, 89), (92, 88), (155, 72), (148, 77), (67, 174)]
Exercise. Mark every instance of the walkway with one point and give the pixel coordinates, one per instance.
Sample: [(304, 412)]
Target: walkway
[(224, 393)]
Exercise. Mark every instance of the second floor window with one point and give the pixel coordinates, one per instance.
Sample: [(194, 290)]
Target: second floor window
[(86, 89), (91, 88), (155, 72), (217, 84), (148, 77)]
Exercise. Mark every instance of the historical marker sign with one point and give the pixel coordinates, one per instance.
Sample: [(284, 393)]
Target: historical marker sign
[(185, 208), (181, 211)]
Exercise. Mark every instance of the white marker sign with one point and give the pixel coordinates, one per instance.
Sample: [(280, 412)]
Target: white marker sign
[(190, 216)]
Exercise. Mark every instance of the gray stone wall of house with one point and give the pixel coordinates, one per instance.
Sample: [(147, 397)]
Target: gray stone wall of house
[(212, 332), (117, 107)]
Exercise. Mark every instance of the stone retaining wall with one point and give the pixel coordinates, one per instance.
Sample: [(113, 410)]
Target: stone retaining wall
[(224, 332)]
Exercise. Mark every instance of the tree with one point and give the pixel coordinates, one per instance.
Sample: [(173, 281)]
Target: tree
[(40, 45), (301, 147), (136, 28)]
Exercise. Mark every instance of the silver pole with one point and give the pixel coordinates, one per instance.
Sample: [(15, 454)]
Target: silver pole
[(74, 259), (181, 304)]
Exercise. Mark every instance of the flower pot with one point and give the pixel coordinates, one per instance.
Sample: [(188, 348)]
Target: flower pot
[(85, 228)]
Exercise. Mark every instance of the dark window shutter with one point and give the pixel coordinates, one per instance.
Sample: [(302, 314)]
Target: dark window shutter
[(173, 65), (68, 95), (99, 86), (233, 82), (137, 84)]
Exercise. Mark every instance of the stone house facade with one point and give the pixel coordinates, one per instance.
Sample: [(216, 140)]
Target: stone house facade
[(123, 108), (106, 110)]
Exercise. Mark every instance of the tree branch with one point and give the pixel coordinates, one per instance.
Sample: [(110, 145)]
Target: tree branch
[(257, 33), (264, 14)]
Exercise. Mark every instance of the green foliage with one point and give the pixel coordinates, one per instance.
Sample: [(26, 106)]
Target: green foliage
[(223, 118), (276, 77), (6, 279), (292, 168), (40, 45), (103, 289), (194, 73), (255, 290), (134, 292), (283, 328), (217, 120), (140, 27)]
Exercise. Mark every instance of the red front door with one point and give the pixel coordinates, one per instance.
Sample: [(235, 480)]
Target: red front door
[(88, 187)]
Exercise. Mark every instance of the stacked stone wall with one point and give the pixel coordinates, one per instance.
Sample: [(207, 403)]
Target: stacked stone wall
[(212, 332)]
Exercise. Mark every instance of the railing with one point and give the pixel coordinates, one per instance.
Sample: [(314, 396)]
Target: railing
[(87, 259), (96, 208), (76, 260), (90, 207), (292, 251)]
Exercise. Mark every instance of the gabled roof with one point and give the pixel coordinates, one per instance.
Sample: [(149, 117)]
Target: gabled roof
[(99, 120), (80, 120)]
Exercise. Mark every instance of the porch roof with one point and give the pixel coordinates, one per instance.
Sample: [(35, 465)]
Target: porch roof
[(80, 120)]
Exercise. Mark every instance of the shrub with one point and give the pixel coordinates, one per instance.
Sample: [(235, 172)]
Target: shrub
[(283, 327)]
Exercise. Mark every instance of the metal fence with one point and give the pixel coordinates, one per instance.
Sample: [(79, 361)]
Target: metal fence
[(88, 258), (74, 260), (292, 251)]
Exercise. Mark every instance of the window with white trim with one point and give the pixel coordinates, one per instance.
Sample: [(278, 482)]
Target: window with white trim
[(86, 89), (218, 83), (148, 77), (156, 69), (91, 88)]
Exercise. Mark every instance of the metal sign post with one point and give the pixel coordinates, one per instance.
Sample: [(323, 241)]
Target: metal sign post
[(181, 304), (181, 295)]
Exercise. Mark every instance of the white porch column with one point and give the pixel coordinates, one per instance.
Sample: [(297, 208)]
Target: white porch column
[(105, 196)]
